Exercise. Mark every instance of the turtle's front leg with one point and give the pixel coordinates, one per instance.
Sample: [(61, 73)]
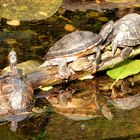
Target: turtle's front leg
[(114, 47), (63, 70)]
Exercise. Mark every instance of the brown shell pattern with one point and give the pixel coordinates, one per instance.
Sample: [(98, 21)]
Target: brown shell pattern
[(127, 30), (73, 43)]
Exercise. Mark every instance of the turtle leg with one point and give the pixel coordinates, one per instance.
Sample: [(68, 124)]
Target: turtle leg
[(114, 47), (14, 126), (125, 89), (63, 70), (126, 52), (64, 96), (106, 112), (114, 93), (100, 103), (98, 56)]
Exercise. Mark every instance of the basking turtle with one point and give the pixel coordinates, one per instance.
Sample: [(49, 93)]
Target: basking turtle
[(124, 33), (71, 47), (16, 94)]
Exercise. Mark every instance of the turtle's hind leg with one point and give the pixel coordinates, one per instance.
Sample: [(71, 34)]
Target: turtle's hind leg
[(98, 56), (126, 52)]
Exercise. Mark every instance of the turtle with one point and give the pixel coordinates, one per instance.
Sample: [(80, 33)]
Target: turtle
[(124, 33), (71, 47), (16, 93)]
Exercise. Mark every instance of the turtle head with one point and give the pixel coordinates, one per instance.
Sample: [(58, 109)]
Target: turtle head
[(12, 58), (106, 30)]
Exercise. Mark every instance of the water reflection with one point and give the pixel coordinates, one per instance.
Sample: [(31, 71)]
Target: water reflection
[(124, 126), (28, 129)]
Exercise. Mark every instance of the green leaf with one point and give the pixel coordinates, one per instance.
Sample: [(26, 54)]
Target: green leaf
[(127, 68)]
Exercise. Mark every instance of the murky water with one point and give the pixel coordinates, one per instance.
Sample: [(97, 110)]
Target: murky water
[(31, 40)]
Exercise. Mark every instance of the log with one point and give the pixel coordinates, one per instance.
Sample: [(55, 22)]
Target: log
[(49, 76)]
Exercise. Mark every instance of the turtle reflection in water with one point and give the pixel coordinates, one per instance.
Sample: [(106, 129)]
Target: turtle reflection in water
[(124, 33), (16, 94), (71, 47), (127, 103), (125, 99), (79, 106)]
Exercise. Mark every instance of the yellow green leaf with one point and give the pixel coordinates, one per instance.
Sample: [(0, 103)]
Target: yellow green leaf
[(130, 67)]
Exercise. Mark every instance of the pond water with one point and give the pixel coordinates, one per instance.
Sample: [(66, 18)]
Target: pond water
[(31, 40)]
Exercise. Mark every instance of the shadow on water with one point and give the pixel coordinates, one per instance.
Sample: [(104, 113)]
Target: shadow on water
[(31, 40)]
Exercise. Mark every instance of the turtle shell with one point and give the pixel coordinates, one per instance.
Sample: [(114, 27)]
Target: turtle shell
[(73, 45), (16, 97), (16, 93), (126, 30)]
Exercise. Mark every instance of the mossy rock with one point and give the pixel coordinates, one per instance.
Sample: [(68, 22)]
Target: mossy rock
[(28, 9)]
